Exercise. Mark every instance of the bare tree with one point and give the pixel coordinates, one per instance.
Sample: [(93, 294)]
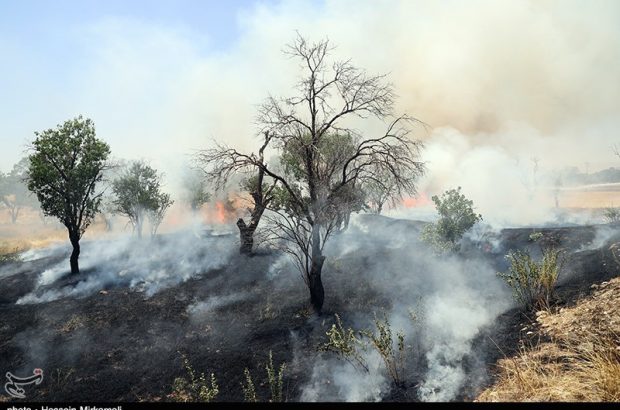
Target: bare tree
[(325, 160), (616, 150), (221, 163)]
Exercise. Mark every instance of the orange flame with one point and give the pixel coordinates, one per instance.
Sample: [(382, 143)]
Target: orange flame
[(412, 202), (221, 212)]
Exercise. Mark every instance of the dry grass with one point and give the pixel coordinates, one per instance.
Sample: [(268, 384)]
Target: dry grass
[(589, 199), (580, 362), (74, 323), (550, 372)]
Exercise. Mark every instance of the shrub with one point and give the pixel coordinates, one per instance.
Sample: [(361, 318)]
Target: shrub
[(345, 344), (8, 255), (456, 216), (383, 342), (536, 236), (612, 214), (532, 282), (274, 379), (249, 391), (192, 388)]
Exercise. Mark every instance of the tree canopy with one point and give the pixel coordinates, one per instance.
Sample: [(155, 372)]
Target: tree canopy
[(456, 216), (138, 195)]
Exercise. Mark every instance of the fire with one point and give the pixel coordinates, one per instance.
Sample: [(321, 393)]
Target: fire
[(220, 212), (412, 202)]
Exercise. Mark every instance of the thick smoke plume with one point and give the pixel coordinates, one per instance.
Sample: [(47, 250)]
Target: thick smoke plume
[(498, 82)]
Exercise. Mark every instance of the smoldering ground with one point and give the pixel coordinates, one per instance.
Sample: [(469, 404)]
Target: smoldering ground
[(225, 313), (146, 265)]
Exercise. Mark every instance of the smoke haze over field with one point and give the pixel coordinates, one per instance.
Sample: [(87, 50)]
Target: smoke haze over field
[(512, 92), (146, 265), (498, 82)]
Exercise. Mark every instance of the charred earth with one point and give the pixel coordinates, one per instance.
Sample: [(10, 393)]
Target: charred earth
[(120, 329)]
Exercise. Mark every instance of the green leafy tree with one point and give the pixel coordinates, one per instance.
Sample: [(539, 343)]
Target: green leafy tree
[(14, 193), (456, 216), (196, 190), (157, 213), (138, 196), (65, 167)]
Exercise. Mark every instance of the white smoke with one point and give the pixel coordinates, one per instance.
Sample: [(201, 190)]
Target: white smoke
[(334, 380), (453, 300), (513, 80), (602, 234), (199, 309), (143, 265)]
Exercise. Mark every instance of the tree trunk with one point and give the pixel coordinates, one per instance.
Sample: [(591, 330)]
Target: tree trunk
[(317, 293), (139, 228), (75, 242), (108, 222), (246, 237), (315, 284), (347, 219), (14, 214)]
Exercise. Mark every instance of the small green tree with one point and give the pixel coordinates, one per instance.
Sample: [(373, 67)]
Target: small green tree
[(456, 216), (14, 194), (138, 196), (65, 167), (157, 213), (196, 192)]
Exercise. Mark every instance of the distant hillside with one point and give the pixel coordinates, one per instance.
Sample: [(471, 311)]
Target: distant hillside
[(573, 177)]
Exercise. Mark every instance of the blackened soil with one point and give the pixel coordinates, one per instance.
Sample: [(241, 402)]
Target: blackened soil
[(581, 268), (119, 344)]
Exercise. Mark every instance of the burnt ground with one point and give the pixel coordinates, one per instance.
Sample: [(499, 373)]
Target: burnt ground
[(121, 343)]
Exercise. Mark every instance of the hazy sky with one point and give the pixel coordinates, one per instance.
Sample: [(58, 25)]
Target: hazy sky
[(500, 82), (56, 54)]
